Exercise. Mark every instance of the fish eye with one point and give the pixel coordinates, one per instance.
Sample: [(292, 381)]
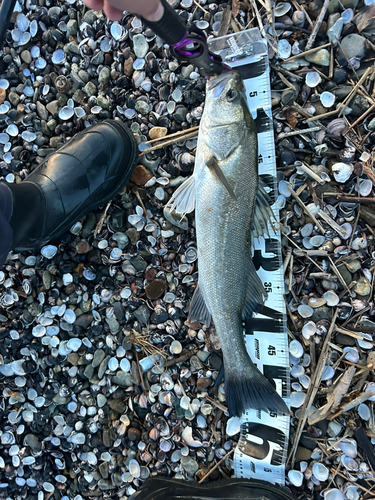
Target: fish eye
[(232, 95)]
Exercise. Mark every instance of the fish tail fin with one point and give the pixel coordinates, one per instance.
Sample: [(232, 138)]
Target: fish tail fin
[(251, 390)]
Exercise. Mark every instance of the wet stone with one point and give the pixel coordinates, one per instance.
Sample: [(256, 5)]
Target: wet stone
[(90, 89), (104, 76), (99, 355), (345, 340), (190, 465), (157, 132), (103, 469), (122, 379), (141, 175), (103, 366), (89, 371), (155, 289), (142, 314), (134, 434), (3, 95), (53, 107), (320, 57), (353, 45), (117, 405)]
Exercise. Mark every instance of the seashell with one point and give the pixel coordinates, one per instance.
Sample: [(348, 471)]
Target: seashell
[(12, 130), (313, 79), (33, 28), (134, 468), (22, 22), (299, 18), (365, 187), (41, 63), (191, 255), (307, 230), (349, 447), (347, 15), (359, 243), (364, 412), (187, 436), (297, 399), (295, 477), (49, 251), (320, 471), (282, 8), (79, 112), (117, 31), (316, 302), (17, 367), (352, 492), (165, 445), (349, 463), (327, 99), (336, 127), (74, 344), (284, 189), (331, 297), (125, 365), (296, 349), (305, 311), (342, 171), (348, 228), (370, 387), (28, 136), (297, 371), (318, 240), (305, 381), (105, 45), (58, 57), (69, 316), (328, 373), (66, 113), (308, 329), (351, 354), (284, 49), (4, 84), (306, 243), (363, 344), (233, 426), (333, 494), (175, 347)]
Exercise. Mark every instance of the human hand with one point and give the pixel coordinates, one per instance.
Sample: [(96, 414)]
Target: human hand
[(152, 10)]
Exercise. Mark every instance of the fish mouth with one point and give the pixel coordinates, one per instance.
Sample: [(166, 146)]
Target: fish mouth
[(221, 79)]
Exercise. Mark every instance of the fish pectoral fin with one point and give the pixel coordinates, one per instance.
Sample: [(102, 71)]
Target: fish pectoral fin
[(214, 166), (262, 212), (183, 199), (255, 292), (198, 309)]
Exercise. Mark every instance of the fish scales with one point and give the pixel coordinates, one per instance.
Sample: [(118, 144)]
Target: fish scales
[(225, 193)]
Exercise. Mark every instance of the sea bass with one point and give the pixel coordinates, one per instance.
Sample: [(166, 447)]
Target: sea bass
[(231, 208)]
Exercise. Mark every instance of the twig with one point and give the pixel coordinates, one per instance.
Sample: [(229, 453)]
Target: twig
[(303, 252), (303, 54), (352, 93), (318, 22), (298, 132), (142, 204), (184, 357), (100, 223), (140, 374), (190, 135), (313, 389), (217, 404), (326, 115), (358, 120), (338, 274), (332, 223), (216, 466), (307, 211), (200, 6), (175, 134)]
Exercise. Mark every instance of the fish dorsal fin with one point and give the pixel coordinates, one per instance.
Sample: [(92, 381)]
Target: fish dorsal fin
[(214, 166), (262, 212), (255, 292), (198, 309), (183, 199)]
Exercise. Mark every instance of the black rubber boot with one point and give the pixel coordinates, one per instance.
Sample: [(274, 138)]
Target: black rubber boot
[(84, 174), (233, 489)]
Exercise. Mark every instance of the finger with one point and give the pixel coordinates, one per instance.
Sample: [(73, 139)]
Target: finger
[(112, 12), (94, 4)]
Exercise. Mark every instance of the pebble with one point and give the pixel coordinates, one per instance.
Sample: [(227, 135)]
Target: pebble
[(157, 132), (353, 45), (320, 57)]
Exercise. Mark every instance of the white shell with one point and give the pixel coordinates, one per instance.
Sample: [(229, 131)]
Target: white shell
[(365, 187), (347, 15), (305, 311), (134, 468), (307, 230), (317, 240), (233, 426), (364, 412), (295, 477), (363, 343), (333, 494), (327, 99), (331, 297), (69, 316), (351, 354), (125, 365), (334, 429), (58, 57), (297, 371), (308, 329), (117, 31), (320, 471), (113, 364), (342, 171), (349, 447), (74, 344), (284, 49), (328, 373), (65, 113), (296, 349), (313, 79), (282, 8), (187, 436), (49, 251), (22, 22), (297, 399), (349, 463)]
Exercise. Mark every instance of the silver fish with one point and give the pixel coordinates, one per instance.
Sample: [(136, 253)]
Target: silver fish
[(231, 208)]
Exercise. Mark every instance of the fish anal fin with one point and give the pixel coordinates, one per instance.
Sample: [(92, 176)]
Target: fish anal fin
[(262, 213), (183, 199), (255, 292), (214, 166), (198, 310)]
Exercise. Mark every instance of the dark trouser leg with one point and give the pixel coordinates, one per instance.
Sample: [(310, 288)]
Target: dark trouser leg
[(6, 233)]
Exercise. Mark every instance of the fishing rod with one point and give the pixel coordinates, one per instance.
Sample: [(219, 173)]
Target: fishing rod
[(6, 10)]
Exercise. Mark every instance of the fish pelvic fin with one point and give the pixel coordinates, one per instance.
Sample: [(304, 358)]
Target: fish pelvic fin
[(183, 199), (255, 292), (262, 212), (214, 166), (249, 389), (198, 309)]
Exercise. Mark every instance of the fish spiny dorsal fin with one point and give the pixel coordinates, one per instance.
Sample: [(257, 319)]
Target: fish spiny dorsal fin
[(183, 199), (214, 166), (262, 213), (198, 309)]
